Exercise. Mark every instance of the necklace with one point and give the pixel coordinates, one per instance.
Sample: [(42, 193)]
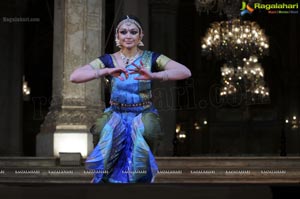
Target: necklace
[(128, 60)]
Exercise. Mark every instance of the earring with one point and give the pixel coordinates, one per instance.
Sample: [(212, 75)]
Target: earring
[(140, 43), (118, 42)]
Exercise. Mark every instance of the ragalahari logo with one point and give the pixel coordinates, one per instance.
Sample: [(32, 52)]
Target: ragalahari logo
[(246, 9), (271, 8)]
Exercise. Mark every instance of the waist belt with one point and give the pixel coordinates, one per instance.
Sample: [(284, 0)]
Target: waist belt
[(130, 105)]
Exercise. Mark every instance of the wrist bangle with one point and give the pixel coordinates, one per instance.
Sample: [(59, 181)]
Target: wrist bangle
[(97, 73), (165, 76)]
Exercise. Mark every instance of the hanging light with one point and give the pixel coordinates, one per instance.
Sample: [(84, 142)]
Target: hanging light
[(254, 77), (293, 122), (228, 80), (249, 76), (178, 128), (26, 90), (240, 44), (235, 39)]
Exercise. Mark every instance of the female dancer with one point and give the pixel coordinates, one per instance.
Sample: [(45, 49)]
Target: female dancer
[(129, 127)]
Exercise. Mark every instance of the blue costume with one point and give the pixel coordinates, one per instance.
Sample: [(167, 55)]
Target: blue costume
[(129, 127)]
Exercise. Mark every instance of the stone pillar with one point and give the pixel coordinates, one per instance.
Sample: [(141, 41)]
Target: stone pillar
[(163, 40), (78, 39)]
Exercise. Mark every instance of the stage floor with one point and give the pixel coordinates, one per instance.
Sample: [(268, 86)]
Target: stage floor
[(204, 170)]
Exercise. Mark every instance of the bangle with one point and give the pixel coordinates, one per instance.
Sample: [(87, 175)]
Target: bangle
[(165, 76), (97, 73)]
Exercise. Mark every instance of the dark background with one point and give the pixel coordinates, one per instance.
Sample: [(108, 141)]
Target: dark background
[(233, 129), (26, 49)]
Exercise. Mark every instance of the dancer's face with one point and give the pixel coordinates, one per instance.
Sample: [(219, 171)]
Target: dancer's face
[(129, 35)]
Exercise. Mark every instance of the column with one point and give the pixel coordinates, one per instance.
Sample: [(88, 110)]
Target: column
[(78, 39)]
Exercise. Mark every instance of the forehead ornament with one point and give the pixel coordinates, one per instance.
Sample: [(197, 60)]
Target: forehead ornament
[(128, 22)]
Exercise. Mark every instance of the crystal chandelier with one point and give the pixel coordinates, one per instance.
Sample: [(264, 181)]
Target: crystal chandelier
[(239, 44), (235, 39), (248, 78)]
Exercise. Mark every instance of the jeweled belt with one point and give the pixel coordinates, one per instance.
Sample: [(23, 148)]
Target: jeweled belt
[(130, 105)]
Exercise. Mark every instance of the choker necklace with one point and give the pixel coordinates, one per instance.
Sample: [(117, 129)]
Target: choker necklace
[(128, 60)]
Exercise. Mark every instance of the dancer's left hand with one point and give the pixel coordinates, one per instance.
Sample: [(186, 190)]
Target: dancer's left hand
[(144, 74)]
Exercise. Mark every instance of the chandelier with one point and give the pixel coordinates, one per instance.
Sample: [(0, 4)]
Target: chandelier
[(249, 78), (239, 44), (235, 39)]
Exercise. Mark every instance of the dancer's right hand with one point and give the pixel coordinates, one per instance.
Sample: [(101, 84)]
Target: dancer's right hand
[(116, 72)]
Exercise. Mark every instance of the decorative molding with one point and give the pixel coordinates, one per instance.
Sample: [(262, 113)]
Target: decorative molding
[(70, 116)]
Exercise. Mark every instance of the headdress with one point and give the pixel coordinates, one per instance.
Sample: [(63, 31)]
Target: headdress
[(129, 21)]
